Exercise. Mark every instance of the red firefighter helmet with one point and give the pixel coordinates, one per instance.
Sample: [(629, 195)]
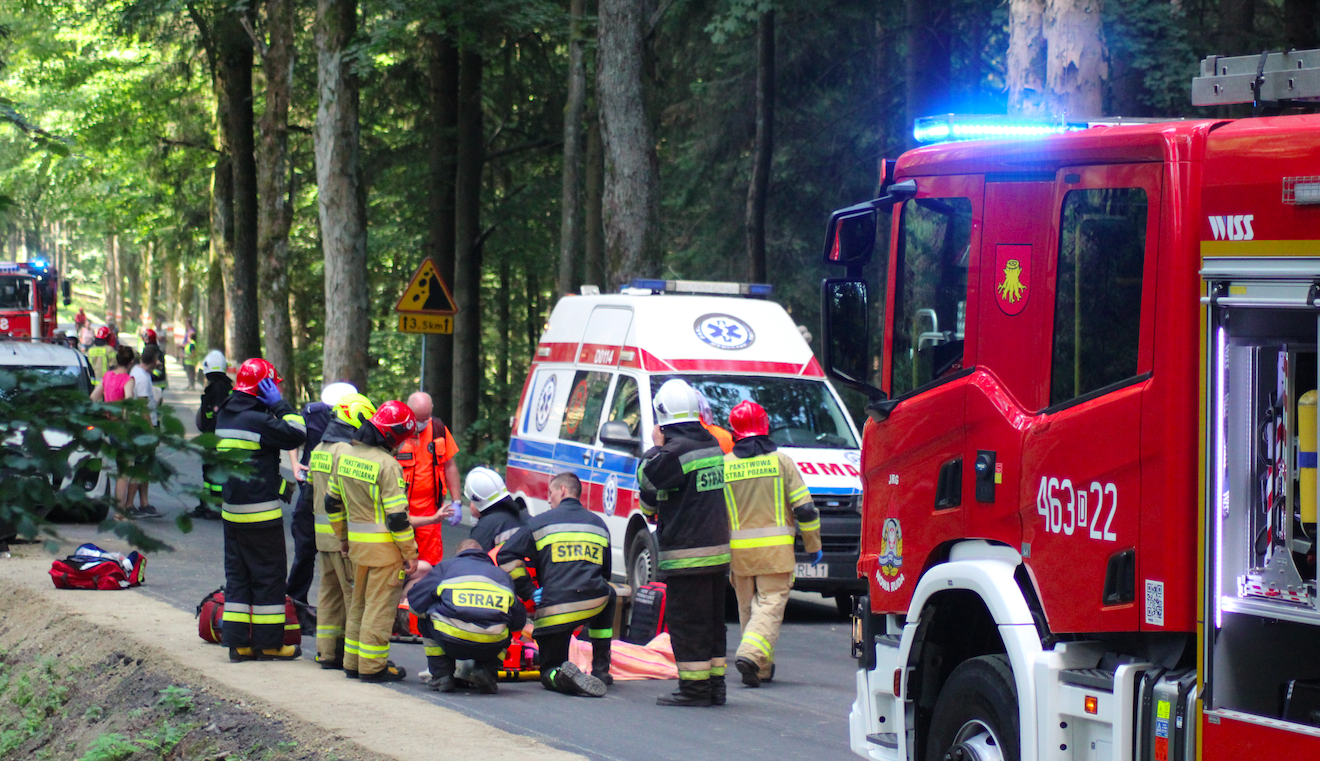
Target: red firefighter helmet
[(252, 373), (749, 419), (148, 336), (103, 333), (395, 421)]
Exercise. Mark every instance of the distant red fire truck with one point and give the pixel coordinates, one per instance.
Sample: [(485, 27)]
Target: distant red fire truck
[(1089, 473), (28, 292)]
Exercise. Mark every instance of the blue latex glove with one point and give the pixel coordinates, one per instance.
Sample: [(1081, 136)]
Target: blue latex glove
[(819, 554), (268, 392), (536, 596), (457, 517)]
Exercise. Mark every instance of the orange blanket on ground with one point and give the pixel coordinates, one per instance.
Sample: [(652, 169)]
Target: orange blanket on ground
[(654, 660)]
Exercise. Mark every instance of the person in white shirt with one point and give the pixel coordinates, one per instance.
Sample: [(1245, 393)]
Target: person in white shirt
[(142, 389)]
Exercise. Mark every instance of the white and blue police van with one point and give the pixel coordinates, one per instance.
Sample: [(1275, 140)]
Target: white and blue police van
[(586, 408)]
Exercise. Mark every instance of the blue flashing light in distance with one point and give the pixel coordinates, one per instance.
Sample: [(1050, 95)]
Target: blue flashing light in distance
[(654, 285), (951, 127), (40, 264)]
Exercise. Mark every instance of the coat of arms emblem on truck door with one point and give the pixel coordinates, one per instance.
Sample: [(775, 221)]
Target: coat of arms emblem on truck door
[(1013, 277), (889, 574)]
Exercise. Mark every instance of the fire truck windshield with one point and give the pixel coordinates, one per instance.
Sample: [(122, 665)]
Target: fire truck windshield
[(15, 292), (802, 412)]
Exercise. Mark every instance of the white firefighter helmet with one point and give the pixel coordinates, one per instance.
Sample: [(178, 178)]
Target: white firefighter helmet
[(332, 393), (677, 402), (484, 487), (214, 362)]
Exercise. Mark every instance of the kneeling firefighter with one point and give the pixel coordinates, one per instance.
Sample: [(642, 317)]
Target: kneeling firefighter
[(569, 546), (467, 610), (331, 529), (368, 483)]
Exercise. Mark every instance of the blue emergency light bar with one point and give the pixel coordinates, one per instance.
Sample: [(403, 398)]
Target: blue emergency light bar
[(703, 287), (951, 127)]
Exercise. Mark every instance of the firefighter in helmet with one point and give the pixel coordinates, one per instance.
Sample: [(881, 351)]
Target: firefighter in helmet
[(331, 529), (158, 378), (368, 485), (681, 482), (257, 421), (497, 515), (218, 387), (100, 354), (768, 503)]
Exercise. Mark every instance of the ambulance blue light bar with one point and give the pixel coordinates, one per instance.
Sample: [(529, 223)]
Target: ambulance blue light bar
[(702, 287), (953, 127)]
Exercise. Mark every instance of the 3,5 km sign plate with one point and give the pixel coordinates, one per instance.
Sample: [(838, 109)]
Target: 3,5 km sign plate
[(426, 323)]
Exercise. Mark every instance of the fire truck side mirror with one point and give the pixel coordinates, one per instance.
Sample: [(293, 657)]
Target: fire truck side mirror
[(68, 292), (846, 334), (850, 240)]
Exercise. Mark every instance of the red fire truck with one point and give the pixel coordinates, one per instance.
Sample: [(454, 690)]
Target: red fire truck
[(1089, 469), (27, 298)]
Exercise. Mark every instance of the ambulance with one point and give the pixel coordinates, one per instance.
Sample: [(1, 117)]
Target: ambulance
[(586, 408)]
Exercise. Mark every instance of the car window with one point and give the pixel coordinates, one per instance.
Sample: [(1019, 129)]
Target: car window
[(626, 407), (585, 400)]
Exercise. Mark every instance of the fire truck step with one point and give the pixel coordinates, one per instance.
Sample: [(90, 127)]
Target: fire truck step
[(889, 640), (1100, 679), (884, 740)]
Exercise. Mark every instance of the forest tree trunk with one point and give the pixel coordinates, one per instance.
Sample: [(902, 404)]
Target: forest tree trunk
[(593, 233), (1026, 58), (570, 226), (1299, 23), (276, 212), (926, 72), (631, 198), (1236, 26), (443, 84), (763, 152), (1076, 62), (112, 305), (467, 247), (341, 197), (234, 72)]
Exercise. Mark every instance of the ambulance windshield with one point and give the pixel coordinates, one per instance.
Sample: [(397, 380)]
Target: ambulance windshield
[(803, 413)]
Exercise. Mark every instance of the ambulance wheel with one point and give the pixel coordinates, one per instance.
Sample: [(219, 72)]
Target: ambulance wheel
[(643, 559), (976, 715)]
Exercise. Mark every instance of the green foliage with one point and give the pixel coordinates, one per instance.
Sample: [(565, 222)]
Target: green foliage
[(177, 699), (93, 714), (110, 747)]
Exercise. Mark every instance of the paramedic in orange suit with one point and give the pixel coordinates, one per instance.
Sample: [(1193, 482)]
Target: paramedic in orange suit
[(724, 438), (430, 471)]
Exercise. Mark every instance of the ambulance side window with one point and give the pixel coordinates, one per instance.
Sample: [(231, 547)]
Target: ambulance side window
[(1097, 304), (627, 404), (585, 400), (930, 296)]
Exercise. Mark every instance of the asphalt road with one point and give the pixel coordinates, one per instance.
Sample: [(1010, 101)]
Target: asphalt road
[(802, 714)]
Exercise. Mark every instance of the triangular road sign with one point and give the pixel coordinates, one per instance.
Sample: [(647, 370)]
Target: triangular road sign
[(427, 293)]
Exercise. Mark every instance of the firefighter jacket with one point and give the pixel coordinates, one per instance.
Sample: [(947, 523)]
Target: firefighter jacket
[(569, 546), (244, 423), (469, 600), (368, 482), (766, 498), (100, 357), (682, 483), (331, 528), (497, 524), (218, 388)]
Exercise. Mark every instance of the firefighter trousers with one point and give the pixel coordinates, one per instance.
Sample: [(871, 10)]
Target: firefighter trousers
[(442, 653), (553, 642), (761, 601), (694, 612), (302, 526), (254, 585), (332, 600), (375, 602)]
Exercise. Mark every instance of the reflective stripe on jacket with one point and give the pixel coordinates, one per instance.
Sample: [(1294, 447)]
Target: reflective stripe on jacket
[(569, 546), (368, 482), (469, 600), (683, 484), (768, 503), (246, 424)]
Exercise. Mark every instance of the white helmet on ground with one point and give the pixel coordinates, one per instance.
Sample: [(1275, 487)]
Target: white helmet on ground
[(332, 393), (677, 402), (484, 487), (214, 362)]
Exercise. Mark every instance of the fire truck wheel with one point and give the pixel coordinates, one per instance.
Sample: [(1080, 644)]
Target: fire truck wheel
[(976, 715), (643, 559)]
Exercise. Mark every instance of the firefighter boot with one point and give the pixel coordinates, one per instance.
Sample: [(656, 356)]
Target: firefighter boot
[(240, 654), (286, 653), (390, 673), (691, 692), (570, 680), (719, 693), (442, 673), (483, 678), (751, 673), (600, 661), (337, 662)]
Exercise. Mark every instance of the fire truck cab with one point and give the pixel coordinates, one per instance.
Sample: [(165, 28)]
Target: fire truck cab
[(28, 293), (1089, 500)]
